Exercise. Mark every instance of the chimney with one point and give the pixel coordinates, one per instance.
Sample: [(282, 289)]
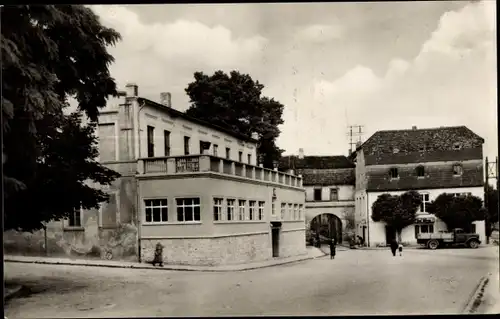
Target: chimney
[(301, 153), (132, 90), (255, 135), (166, 99), (414, 127)]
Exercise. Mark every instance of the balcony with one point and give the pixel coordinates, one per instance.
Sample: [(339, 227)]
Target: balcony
[(193, 164)]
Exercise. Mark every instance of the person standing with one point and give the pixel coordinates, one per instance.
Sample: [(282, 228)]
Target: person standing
[(394, 247), (332, 248), (400, 248)]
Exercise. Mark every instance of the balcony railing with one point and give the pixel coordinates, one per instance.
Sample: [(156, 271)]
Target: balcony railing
[(208, 163)]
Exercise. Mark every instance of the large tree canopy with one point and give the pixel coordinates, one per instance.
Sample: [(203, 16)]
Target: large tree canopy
[(50, 53), (235, 102), (457, 211), (396, 211)]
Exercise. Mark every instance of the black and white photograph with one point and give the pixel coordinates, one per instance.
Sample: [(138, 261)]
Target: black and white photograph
[(250, 159)]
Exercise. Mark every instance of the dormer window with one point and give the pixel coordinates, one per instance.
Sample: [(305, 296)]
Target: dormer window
[(420, 171), (456, 146), (457, 170), (421, 148), (395, 150), (393, 172)]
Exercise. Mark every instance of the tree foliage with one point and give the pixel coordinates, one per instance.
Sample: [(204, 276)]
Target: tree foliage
[(397, 211), (50, 53), (491, 196), (457, 211), (235, 102)]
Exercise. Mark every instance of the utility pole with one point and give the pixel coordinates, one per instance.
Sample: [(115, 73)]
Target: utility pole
[(354, 131), (491, 169)]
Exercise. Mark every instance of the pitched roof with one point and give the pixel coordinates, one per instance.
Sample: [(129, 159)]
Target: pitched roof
[(407, 146), (176, 113), (315, 162), (325, 177)]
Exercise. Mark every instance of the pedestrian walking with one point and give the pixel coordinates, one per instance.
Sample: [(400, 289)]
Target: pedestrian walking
[(332, 248), (400, 248), (394, 247)]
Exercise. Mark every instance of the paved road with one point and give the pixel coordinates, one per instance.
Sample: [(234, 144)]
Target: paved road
[(356, 282)]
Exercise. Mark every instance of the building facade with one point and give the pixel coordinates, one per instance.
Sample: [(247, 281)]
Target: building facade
[(329, 185), (431, 161), (193, 187)]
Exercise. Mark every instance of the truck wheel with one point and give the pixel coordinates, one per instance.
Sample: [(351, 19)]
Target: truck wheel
[(473, 244), (433, 244)]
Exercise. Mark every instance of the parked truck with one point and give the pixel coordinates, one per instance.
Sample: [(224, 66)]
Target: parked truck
[(456, 237)]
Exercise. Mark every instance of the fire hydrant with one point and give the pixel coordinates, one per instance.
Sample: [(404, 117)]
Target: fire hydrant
[(158, 259)]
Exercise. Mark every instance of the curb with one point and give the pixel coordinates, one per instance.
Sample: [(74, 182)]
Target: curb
[(477, 294), (166, 267)]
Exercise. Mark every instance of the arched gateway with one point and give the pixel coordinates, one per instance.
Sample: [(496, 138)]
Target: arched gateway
[(328, 226)]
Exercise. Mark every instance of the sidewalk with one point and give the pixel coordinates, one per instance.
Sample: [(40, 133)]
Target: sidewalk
[(311, 253)]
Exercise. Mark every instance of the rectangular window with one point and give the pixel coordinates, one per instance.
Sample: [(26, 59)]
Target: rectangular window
[(217, 209), (273, 208), (425, 202), (425, 229), (290, 211), (251, 210), (186, 145), (166, 139), (240, 156), (457, 169), (107, 142), (420, 171), (249, 156), (228, 153), (261, 210), (241, 210), (393, 172), (215, 149), (334, 194), (301, 212), (188, 209), (156, 210), (75, 218), (151, 142), (317, 194), (296, 212), (230, 209), (283, 207)]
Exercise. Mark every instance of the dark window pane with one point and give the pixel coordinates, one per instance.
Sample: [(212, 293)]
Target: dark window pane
[(188, 213), (156, 202), (424, 228), (180, 214), (163, 202), (148, 202), (179, 201), (148, 215), (416, 230), (229, 214), (164, 214), (197, 213), (188, 201), (431, 228), (216, 213), (196, 201), (156, 215)]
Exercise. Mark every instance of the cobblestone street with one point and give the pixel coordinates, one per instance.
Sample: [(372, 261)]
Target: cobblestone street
[(356, 282)]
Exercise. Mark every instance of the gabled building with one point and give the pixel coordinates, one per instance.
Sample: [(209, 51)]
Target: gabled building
[(431, 161), (329, 185)]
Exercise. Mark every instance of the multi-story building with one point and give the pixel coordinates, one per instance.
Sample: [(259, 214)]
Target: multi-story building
[(329, 185), (431, 161), (192, 186)]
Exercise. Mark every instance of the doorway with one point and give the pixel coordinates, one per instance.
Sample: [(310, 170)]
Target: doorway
[(390, 234), (275, 238)]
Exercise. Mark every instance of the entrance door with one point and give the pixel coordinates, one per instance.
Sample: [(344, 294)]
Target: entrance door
[(390, 234), (275, 237), (364, 234)]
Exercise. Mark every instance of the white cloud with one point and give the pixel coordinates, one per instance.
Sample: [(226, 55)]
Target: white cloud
[(452, 81), (163, 56), (319, 33)]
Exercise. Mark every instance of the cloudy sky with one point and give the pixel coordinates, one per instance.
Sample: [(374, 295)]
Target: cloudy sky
[(380, 65)]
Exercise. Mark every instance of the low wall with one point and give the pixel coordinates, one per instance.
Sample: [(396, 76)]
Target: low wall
[(119, 243)]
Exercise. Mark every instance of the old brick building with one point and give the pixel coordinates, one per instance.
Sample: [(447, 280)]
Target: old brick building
[(329, 185), (431, 161)]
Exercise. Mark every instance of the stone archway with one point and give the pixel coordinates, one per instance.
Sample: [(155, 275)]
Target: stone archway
[(328, 225)]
